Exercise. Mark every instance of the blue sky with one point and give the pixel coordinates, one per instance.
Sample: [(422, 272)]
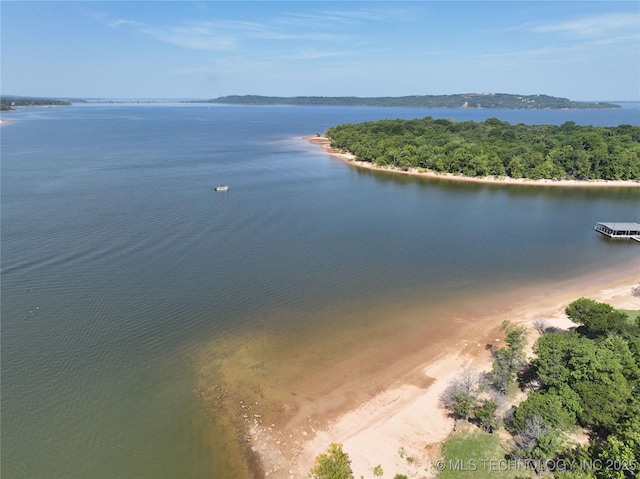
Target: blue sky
[(180, 49)]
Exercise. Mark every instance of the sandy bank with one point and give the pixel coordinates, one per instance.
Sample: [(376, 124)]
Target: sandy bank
[(406, 419), (349, 158)]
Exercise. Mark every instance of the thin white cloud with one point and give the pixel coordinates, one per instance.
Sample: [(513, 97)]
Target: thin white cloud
[(223, 35), (312, 54), (573, 40), (592, 27), (615, 40), (122, 22), (324, 18), (549, 54), (194, 37)]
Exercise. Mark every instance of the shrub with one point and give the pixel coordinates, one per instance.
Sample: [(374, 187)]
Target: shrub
[(334, 464)]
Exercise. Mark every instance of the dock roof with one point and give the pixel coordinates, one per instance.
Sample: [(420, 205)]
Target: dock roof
[(622, 226)]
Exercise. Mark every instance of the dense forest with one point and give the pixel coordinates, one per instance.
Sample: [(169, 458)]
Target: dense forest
[(495, 148), (469, 100)]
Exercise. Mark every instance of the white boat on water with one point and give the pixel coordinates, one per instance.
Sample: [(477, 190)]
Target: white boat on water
[(222, 188)]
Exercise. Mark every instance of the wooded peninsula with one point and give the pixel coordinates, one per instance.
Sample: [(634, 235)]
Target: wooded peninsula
[(9, 102), (467, 100), (495, 148)]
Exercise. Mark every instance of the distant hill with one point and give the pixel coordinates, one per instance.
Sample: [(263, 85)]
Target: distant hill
[(469, 100)]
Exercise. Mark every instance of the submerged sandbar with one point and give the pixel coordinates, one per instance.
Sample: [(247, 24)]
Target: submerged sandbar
[(369, 376)]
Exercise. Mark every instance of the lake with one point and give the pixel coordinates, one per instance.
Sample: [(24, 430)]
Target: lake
[(128, 283)]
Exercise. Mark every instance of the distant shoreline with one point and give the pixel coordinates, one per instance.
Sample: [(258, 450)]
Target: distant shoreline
[(325, 144), (471, 101)]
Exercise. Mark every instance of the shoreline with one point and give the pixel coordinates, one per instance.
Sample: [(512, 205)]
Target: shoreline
[(405, 413), (349, 158)]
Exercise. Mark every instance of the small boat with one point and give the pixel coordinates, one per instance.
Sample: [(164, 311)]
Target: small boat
[(222, 188)]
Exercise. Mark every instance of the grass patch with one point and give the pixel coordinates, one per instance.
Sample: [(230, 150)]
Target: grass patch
[(473, 454), (632, 313)]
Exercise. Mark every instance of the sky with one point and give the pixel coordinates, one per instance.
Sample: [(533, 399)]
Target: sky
[(207, 49)]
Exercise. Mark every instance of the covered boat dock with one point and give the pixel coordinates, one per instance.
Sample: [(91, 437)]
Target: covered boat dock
[(619, 230)]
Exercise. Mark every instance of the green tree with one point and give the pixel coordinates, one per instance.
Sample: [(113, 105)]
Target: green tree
[(554, 353), (463, 405), (461, 396), (486, 415), (334, 464), (621, 452), (508, 361), (546, 405), (604, 400), (593, 370), (515, 336), (496, 167), (621, 350), (537, 443), (597, 318)]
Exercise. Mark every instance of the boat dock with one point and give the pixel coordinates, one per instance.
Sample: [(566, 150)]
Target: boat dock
[(619, 230)]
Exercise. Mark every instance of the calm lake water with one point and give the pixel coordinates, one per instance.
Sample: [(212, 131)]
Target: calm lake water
[(119, 261)]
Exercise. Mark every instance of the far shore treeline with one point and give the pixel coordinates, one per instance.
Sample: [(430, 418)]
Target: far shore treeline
[(9, 102), (458, 100), (495, 148)]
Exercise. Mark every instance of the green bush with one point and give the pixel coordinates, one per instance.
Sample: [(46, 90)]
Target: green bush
[(334, 464)]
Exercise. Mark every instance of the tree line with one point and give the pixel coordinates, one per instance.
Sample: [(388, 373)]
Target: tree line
[(466, 100), (8, 102), (495, 148)]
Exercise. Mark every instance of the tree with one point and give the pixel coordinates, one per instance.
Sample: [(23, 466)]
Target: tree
[(540, 325), (486, 415), (624, 447), (537, 443), (334, 464), (461, 396), (508, 361), (515, 336), (597, 318), (502, 372), (548, 407), (516, 167), (595, 371), (558, 355), (463, 405), (604, 401)]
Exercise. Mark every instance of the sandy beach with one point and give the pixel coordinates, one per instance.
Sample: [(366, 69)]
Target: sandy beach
[(325, 144), (406, 419)]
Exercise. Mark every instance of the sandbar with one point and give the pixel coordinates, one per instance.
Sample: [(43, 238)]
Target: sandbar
[(325, 143)]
